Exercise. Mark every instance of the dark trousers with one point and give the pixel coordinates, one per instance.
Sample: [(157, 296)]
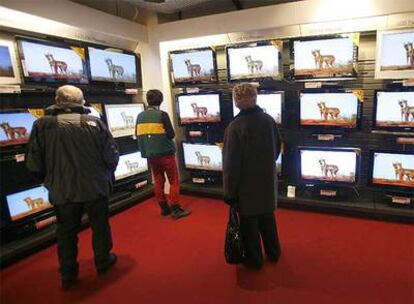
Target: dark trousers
[(69, 217), (255, 229)]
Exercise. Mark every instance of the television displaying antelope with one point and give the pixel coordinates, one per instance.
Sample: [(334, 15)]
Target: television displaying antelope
[(132, 166), (253, 65), (194, 70), (406, 110), (402, 173), (328, 60), (202, 159), (13, 132), (34, 203), (327, 168), (327, 112), (115, 71), (409, 51), (57, 67), (128, 120), (199, 111)]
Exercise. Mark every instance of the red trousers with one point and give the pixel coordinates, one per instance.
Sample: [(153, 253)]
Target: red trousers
[(168, 165)]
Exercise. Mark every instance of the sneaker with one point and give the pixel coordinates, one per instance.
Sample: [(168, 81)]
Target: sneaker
[(178, 212), (111, 262), (165, 209)]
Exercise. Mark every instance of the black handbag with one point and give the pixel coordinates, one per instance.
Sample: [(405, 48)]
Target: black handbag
[(233, 246)]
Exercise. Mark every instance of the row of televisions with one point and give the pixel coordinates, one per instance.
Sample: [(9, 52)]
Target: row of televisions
[(393, 110), (47, 62), (314, 58)]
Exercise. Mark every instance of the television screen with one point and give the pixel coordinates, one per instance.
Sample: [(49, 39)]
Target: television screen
[(279, 164), (394, 110), (198, 108), (28, 202), (395, 55), (254, 60), (203, 157), (130, 164), (328, 165), (9, 71), (15, 128), (96, 110), (121, 118), (326, 58), (112, 66), (393, 169), (194, 66), (271, 103), (47, 62), (330, 109)]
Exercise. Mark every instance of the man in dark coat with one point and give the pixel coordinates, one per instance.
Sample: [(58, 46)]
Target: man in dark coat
[(75, 155), (251, 147)]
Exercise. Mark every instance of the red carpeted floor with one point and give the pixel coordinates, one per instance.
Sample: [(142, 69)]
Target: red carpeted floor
[(326, 259)]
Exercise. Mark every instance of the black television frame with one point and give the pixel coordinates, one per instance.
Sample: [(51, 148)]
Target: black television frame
[(375, 107), (357, 151), (53, 43), (200, 172), (255, 44), (324, 127), (193, 50), (324, 37)]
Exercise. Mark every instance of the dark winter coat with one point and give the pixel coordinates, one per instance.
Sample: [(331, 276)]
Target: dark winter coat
[(73, 153), (251, 147)]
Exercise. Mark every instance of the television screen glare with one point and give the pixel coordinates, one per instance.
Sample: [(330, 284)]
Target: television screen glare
[(129, 165), (202, 157), (9, 69), (270, 104), (279, 164), (395, 109), (193, 66), (42, 62), (328, 166), (28, 202), (329, 109), (6, 67), (15, 128), (199, 108), (121, 118), (111, 66), (393, 169)]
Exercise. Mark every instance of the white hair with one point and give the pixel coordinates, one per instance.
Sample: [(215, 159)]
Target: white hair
[(69, 94)]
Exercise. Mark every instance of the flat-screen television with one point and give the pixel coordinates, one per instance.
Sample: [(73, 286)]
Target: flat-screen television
[(198, 108), (329, 57), (113, 66), (9, 70), (202, 156), (329, 165), (15, 127), (26, 203), (270, 102), (394, 110), (193, 66), (129, 165), (121, 118), (331, 109), (45, 61), (255, 60), (95, 110), (279, 164), (395, 55), (392, 168)]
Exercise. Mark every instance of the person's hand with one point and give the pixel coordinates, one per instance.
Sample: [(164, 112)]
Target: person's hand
[(231, 201)]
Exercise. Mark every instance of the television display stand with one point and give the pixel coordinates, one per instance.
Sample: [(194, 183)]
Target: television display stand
[(331, 192)]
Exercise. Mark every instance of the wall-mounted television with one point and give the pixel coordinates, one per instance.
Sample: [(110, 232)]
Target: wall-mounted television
[(95, 109), (325, 58), (198, 108), (331, 109), (113, 66), (129, 165), (28, 202), (193, 66), (9, 70), (15, 127), (255, 60), (121, 118), (270, 102), (48, 62), (392, 169), (394, 110), (329, 165), (202, 156), (395, 55)]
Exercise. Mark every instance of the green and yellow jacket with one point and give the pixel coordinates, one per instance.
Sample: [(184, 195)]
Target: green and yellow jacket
[(155, 133)]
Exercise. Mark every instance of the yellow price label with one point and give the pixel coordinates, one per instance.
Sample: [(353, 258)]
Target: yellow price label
[(37, 112), (79, 51), (359, 94)]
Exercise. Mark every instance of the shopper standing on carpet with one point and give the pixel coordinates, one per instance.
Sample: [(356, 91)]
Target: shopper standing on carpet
[(251, 147), (75, 155), (155, 139)]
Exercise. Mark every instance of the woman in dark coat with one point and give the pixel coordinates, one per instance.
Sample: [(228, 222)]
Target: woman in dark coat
[(251, 147)]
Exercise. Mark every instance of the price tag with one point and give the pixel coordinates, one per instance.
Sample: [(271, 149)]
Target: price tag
[(405, 140), (10, 89), (326, 137), (131, 91), (195, 133), (192, 90), (46, 222), (313, 85), (329, 193), (198, 180), (401, 200), (20, 157), (141, 184)]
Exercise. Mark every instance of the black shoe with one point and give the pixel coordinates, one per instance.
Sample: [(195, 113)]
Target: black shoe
[(178, 212), (111, 262), (68, 282), (274, 258), (165, 209)]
